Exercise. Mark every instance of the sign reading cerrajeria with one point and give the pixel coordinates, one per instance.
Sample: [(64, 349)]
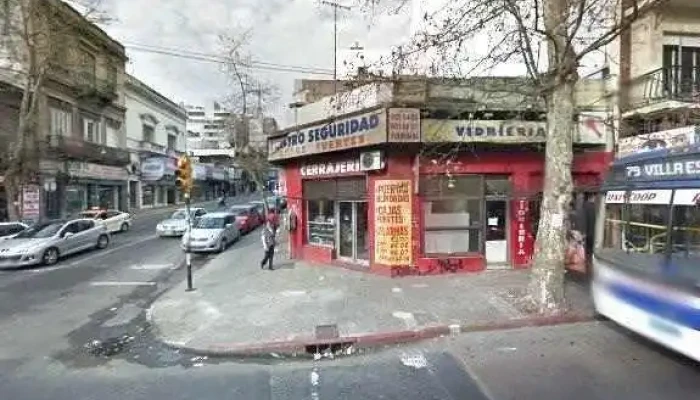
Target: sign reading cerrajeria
[(342, 133), (512, 131)]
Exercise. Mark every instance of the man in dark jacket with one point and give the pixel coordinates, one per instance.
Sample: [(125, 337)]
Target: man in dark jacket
[(269, 242)]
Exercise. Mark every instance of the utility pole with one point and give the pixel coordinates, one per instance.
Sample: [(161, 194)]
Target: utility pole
[(335, 6)]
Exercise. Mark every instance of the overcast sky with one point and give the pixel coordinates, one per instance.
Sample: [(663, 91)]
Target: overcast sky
[(290, 32)]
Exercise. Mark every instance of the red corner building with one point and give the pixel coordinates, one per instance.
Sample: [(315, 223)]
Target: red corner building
[(421, 190)]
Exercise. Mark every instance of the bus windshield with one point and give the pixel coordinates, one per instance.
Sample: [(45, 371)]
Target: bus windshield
[(654, 230)]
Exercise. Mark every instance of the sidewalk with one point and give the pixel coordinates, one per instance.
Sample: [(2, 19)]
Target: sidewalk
[(239, 309)]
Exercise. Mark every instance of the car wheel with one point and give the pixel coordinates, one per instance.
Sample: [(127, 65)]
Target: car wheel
[(50, 256), (124, 227), (102, 241)]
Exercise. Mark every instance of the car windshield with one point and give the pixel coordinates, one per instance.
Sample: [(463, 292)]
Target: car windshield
[(41, 231), (210, 223), (240, 212)]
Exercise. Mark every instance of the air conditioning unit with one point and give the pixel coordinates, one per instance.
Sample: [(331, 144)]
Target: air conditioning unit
[(371, 160)]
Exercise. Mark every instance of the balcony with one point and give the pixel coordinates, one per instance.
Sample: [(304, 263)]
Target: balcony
[(669, 84), (77, 149), (91, 87), (150, 147)]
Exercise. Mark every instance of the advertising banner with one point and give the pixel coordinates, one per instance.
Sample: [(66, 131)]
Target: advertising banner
[(393, 222)]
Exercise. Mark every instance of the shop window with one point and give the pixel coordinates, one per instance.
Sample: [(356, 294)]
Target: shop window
[(75, 199), (452, 213), (147, 195), (321, 222)]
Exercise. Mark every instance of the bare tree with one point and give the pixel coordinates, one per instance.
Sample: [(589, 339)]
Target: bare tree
[(249, 93), (551, 38), (33, 43)]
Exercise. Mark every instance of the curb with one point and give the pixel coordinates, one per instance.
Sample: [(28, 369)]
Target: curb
[(297, 347)]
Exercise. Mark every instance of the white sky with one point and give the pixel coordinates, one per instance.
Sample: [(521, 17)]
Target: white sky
[(290, 32)]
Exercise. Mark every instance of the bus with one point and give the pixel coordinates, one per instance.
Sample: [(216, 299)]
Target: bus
[(646, 268)]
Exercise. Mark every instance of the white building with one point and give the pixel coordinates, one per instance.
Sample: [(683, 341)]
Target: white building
[(206, 133), (155, 128)]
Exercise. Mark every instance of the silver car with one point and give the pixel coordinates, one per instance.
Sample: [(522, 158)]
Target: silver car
[(212, 232), (8, 230), (46, 242), (176, 225)]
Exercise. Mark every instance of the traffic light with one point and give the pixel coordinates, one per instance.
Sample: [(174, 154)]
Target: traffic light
[(183, 174)]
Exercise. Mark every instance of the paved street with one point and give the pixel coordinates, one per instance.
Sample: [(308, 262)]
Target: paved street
[(79, 331)]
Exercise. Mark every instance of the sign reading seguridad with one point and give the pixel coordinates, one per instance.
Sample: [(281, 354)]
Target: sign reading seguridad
[(343, 133)]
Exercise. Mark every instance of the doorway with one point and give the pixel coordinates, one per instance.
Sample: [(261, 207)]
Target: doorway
[(353, 235), (496, 243)]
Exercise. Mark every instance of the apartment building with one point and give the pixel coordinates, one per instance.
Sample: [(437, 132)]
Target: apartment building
[(80, 117), (655, 78), (155, 127)]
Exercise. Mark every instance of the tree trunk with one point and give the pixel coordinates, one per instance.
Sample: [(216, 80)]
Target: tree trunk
[(12, 195), (546, 289)]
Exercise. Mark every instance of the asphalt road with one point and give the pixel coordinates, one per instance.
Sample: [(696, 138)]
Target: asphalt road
[(78, 330)]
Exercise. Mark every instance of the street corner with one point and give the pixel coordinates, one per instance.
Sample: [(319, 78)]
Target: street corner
[(177, 320)]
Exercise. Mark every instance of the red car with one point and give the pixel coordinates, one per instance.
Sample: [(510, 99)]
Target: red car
[(247, 217)]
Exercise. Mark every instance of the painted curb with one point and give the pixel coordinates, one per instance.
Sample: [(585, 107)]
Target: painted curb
[(297, 347)]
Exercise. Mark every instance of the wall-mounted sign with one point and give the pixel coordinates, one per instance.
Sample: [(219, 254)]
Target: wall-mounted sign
[(31, 201), (343, 133), (671, 138), (438, 130), (97, 171), (667, 169), (591, 129), (331, 169), (650, 197), (393, 222), (404, 125), (152, 169), (522, 240)]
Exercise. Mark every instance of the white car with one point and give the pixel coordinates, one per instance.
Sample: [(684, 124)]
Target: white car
[(8, 230), (114, 220), (212, 232), (176, 224)]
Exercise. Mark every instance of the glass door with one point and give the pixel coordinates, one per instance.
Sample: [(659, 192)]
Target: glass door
[(353, 235), (496, 244), (346, 235)]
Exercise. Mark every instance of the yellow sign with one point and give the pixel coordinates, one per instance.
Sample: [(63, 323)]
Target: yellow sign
[(393, 222)]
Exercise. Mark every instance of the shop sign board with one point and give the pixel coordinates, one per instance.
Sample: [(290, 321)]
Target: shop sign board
[(152, 169), (590, 130), (337, 168), (668, 139), (97, 171), (393, 222), (404, 125), (31, 201), (339, 134)]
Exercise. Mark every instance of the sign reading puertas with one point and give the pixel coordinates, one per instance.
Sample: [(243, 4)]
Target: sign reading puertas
[(393, 222), (340, 134)]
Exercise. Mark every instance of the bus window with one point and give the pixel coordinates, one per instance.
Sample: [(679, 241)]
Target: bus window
[(648, 225), (614, 223), (686, 231)]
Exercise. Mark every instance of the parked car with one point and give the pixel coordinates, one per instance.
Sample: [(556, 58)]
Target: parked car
[(115, 220), (8, 230), (46, 242), (259, 206), (213, 232), (176, 224), (247, 217)]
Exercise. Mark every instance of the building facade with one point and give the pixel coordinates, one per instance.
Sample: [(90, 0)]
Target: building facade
[(156, 137), (80, 120), (412, 179), (654, 78)]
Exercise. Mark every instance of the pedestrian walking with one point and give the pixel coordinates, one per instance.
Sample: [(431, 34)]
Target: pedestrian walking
[(268, 241)]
